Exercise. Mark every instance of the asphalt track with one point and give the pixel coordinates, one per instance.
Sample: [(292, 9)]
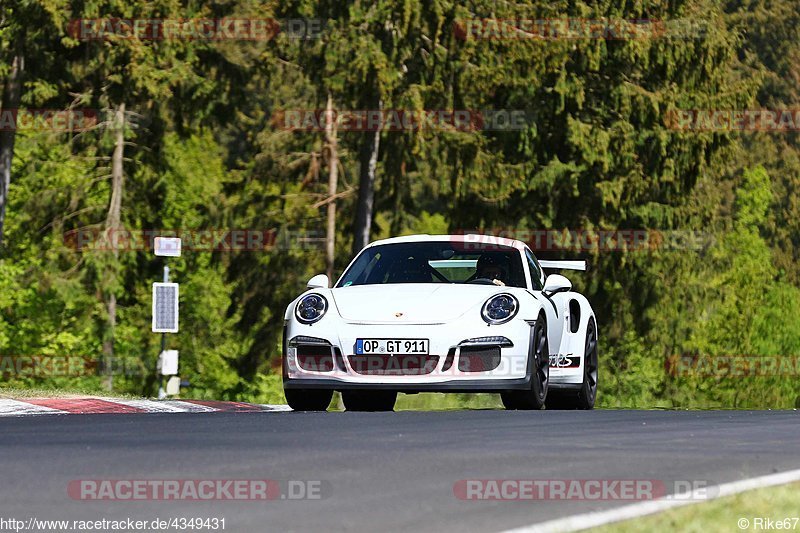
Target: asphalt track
[(379, 471)]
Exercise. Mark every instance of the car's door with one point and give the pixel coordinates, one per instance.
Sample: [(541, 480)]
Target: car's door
[(554, 308)]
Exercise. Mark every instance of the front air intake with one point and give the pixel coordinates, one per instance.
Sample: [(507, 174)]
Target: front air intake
[(478, 358), (314, 358)]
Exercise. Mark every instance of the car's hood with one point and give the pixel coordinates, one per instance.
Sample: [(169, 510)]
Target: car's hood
[(415, 303)]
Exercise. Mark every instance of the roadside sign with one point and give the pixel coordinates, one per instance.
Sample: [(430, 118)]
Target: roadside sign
[(167, 246), (168, 362), (173, 386)]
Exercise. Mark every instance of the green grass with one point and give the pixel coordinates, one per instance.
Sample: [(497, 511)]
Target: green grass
[(775, 503), (432, 401), (16, 392)]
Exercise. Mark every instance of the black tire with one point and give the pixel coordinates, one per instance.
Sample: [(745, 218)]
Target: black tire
[(308, 399), (583, 398), (355, 400), (539, 361)]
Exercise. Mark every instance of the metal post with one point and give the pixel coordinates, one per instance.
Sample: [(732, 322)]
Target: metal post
[(161, 393), (165, 247)]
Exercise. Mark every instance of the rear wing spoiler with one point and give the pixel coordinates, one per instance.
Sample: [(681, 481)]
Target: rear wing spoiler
[(563, 265)]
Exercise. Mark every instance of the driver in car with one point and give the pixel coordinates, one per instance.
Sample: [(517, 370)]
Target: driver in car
[(491, 267)]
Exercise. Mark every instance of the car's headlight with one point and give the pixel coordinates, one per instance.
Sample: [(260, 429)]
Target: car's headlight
[(311, 308), (499, 309)]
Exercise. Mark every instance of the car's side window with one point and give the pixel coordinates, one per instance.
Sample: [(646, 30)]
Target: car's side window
[(536, 271)]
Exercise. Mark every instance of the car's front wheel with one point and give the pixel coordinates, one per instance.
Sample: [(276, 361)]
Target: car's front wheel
[(355, 400), (539, 361), (308, 399)]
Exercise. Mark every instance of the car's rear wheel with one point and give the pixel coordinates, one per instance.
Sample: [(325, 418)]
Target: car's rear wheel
[(308, 399), (584, 397), (356, 400), (539, 361)]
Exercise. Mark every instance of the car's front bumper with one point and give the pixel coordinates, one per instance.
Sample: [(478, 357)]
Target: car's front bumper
[(452, 366)]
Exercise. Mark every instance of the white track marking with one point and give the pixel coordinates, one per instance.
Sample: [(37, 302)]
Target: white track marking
[(9, 407), (636, 510), (152, 406), (275, 407), (189, 407), (16, 408)]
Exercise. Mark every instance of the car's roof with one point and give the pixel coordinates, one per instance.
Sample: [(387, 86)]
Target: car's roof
[(467, 238)]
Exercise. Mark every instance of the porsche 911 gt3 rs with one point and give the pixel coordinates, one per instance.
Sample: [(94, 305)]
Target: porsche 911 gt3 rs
[(446, 313)]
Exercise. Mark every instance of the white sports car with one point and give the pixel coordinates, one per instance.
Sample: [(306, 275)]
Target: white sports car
[(446, 313)]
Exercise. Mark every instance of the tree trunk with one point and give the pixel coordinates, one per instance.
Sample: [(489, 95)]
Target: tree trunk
[(333, 178), (117, 176), (366, 187), (10, 104), (112, 233)]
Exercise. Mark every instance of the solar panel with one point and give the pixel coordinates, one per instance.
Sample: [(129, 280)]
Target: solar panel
[(165, 308)]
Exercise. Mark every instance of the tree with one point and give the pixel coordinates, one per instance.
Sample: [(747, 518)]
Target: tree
[(333, 180), (27, 30), (10, 105)]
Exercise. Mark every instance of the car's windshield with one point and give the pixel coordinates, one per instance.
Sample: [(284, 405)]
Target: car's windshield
[(436, 262)]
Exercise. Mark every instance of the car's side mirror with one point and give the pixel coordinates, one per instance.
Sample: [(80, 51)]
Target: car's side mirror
[(320, 281), (556, 283)]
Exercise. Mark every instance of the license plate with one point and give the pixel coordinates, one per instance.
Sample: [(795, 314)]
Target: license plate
[(392, 346)]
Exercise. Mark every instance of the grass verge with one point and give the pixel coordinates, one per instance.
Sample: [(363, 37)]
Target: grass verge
[(753, 508), (21, 393)]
